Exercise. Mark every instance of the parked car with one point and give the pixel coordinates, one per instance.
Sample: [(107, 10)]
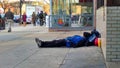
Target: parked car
[(16, 18), (2, 22), (2, 15), (29, 19)]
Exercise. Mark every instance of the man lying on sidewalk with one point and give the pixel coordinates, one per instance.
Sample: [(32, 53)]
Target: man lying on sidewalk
[(72, 41)]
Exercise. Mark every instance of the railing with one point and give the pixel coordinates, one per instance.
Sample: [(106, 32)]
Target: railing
[(68, 21)]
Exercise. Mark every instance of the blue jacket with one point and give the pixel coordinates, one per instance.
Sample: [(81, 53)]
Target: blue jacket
[(74, 40)]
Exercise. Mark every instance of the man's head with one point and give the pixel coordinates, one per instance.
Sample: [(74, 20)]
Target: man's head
[(41, 11), (9, 9)]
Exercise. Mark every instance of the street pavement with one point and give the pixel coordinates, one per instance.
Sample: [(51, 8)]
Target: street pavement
[(28, 28), (19, 50)]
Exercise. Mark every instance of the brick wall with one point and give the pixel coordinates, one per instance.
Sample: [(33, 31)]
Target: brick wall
[(113, 34)]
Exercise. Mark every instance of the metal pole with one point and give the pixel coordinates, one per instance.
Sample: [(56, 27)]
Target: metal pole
[(59, 8), (51, 11), (70, 7), (20, 11), (51, 7), (95, 9)]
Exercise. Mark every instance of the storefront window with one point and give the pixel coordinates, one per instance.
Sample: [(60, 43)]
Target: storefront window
[(72, 13), (100, 3), (61, 7), (113, 2)]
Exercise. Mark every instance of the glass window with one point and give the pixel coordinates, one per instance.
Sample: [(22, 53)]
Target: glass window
[(100, 3), (113, 2)]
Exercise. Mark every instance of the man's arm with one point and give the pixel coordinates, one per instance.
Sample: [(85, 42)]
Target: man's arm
[(12, 15)]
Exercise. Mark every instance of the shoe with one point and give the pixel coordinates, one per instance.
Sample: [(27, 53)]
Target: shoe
[(39, 42), (9, 30)]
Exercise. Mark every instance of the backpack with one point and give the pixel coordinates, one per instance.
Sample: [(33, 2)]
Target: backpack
[(96, 33), (90, 37)]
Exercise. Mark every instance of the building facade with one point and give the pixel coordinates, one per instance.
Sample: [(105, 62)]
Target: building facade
[(113, 30), (16, 4), (103, 14), (108, 23), (106, 14), (71, 14)]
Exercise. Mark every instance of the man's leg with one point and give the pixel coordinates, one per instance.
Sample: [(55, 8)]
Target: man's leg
[(9, 25), (53, 43)]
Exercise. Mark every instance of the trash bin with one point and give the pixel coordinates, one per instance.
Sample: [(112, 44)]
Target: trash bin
[(2, 24)]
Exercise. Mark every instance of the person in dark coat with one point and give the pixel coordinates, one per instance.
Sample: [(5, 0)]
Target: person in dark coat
[(41, 17), (72, 41), (9, 17)]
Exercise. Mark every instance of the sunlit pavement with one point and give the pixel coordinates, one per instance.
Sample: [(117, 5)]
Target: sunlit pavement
[(19, 50), (28, 28)]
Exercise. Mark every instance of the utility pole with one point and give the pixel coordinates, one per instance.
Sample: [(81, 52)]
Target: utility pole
[(95, 8), (51, 6), (51, 13), (70, 10), (20, 11)]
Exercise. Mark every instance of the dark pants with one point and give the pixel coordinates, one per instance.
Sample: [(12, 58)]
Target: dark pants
[(41, 22), (34, 21), (54, 43)]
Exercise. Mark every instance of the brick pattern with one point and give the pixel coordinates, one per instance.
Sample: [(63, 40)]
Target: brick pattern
[(113, 34)]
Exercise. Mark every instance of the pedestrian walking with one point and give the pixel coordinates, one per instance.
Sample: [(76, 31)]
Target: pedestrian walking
[(34, 18), (9, 18), (24, 16), (41, 17), (37, 19), (45, 14)]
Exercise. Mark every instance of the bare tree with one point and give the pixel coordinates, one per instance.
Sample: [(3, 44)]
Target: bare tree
[(4, 4)]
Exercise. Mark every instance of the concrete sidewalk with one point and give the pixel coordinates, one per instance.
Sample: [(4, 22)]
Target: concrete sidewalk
[(53, 35), (22, 52), (28, 28)]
